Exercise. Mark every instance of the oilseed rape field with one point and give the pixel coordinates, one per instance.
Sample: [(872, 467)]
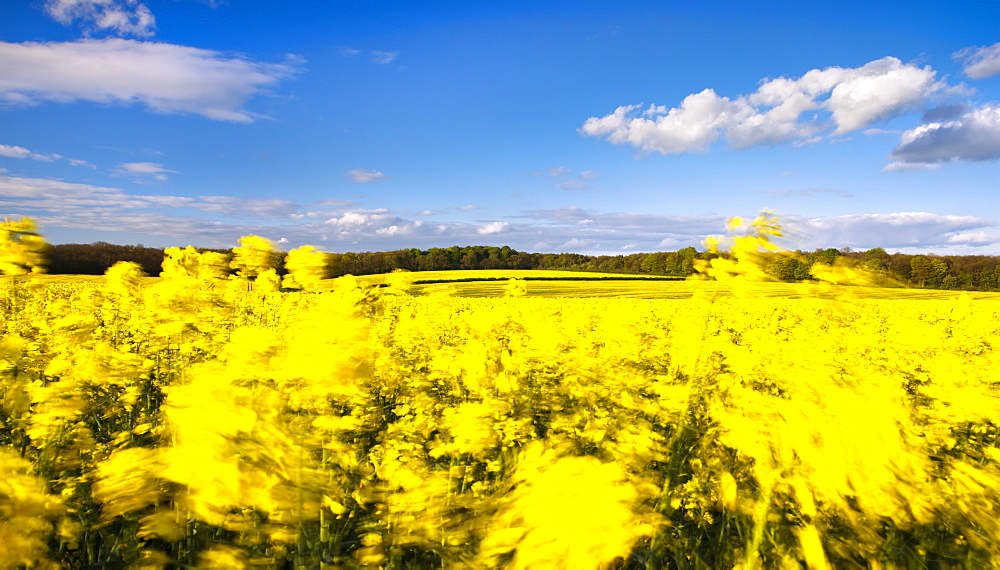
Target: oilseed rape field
[(198, 420)]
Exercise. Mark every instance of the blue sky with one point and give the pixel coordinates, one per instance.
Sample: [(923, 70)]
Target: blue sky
[(550, 126)]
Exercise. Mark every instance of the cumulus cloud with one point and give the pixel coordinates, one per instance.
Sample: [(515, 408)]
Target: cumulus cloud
[(360, 218), (692, 127), (493, 228), (782, 110), (363, 176), (124, 17), (165, 78), (980, 62), (878, 90), (975, 136)]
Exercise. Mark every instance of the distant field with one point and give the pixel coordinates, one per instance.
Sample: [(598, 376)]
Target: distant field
[(497, 274), (66, 279), (644, 289), (576, 284)]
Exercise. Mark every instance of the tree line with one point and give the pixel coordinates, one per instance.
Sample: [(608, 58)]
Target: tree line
[(969, 272)]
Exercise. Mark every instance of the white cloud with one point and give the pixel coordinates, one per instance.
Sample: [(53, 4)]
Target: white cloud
[(636, 224), (14, 151), (221, 220), (177, 220), (692, 127), (21, 152), (896, 230), (360, 218), (613, 231), (974, 238), (384, 57), (125, 17), (166, 78), (259, 207), (83, 200), (975, 136), (903, 165), (11, 151), (363, 176), (575, 244), (879, 90), (852, 98), (873, 132), (980, 62), (651, 232), (493, 228), (143, 171), (142, 168)]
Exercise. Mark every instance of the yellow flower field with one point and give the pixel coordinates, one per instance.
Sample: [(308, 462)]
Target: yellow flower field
[(223, 423)]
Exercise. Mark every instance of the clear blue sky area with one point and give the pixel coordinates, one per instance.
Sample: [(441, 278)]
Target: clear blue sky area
[(549, 126)]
